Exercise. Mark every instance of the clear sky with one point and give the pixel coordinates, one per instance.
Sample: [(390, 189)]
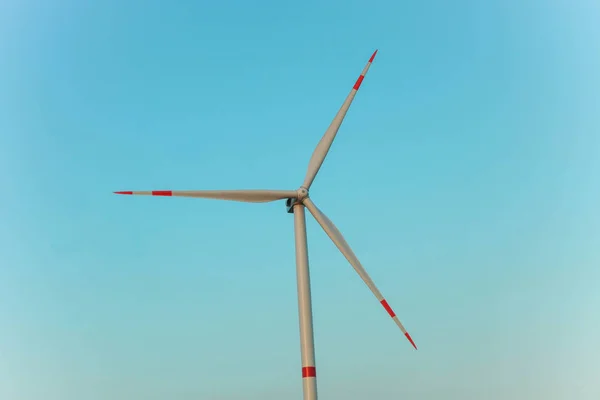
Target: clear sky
[(465, 177)]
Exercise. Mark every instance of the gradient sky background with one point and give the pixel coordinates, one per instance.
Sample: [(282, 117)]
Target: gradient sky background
[(465, 177)]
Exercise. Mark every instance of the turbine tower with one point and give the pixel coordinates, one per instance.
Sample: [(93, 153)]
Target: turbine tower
[(296, 202)]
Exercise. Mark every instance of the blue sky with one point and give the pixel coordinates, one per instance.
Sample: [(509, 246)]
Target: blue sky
[(465, 177)]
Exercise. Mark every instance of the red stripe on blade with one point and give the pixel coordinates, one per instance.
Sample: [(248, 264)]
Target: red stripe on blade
[(123, 192), (388, 308), (162, 193), (309, 372), (373, 56), (410, 340), (358, 82)]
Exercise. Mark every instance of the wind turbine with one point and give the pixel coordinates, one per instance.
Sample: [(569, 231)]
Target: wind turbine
[(296, 201)]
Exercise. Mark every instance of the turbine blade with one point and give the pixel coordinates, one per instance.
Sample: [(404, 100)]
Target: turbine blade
[(337, 238), (248, 196), (322, 148)]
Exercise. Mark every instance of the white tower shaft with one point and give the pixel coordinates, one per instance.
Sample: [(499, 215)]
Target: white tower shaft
[(307, 345)]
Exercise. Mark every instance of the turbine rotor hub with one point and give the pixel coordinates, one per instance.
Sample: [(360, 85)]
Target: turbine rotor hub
[(302, 193)]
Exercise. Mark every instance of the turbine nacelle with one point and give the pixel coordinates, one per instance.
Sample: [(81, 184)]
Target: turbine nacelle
[(290, 203)]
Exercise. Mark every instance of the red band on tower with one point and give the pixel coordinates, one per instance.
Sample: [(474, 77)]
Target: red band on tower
[(309, 372)]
